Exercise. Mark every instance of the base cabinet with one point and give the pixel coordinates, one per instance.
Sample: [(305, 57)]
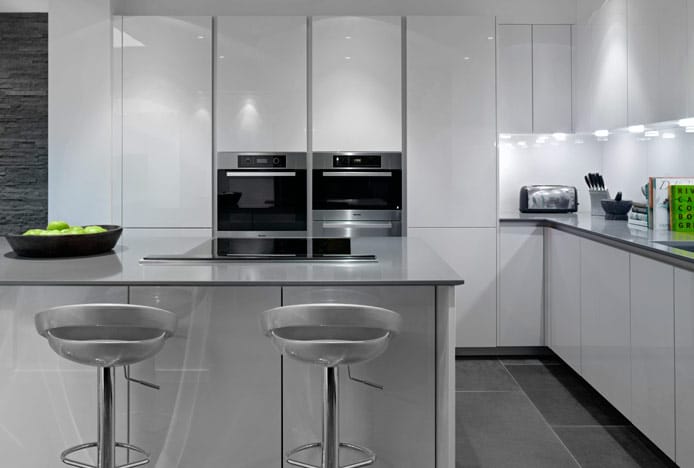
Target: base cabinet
[(399, 422), (47, 403), (605, 346), (684, 367), (220, 397), (564, 296)]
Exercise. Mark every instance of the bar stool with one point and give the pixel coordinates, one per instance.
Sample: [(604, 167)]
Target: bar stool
[(331, 335), (106, 336)]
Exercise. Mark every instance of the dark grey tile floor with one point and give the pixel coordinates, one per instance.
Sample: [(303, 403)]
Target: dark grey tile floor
[(537, 413)]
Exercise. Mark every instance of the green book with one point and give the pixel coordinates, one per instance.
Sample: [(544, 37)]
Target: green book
[(681, 208)]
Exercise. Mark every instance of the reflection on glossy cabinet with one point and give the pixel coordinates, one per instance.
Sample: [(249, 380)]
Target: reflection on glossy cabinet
[(451, 122), (48, 403), (684, 367), (605, 349), (652, 351), (515, 78), (220, 378), (564, 296), (357, 83), (521, 286), (657, 58), (551, 63), (167, 123), (471, 252), (261, 83), (398, 423)]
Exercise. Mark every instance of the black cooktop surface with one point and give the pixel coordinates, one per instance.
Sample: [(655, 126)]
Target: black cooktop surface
[(270, 250)]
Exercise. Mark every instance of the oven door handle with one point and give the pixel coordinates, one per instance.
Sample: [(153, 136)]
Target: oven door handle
[(261, 174), (357, 174), (357, 224)]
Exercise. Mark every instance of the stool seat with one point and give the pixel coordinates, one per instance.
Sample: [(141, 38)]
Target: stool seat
[(106, 335), (331, 334)]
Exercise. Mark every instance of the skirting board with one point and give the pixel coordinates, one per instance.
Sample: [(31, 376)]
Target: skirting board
[(505, 351)]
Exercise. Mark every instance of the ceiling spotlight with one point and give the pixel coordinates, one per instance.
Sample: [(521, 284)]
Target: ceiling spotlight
[(200, 36), (559, 136), (504, 136), (689, 129), (637, 129), (688, 122), (601, 133), (651, 133), (668, 135)]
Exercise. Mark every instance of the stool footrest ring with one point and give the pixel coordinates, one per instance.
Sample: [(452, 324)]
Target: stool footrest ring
[(78, 464), (369, 460)]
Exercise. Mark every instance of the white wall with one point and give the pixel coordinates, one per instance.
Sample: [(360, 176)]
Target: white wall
[(23, 6), (551, 162), (79, 110)]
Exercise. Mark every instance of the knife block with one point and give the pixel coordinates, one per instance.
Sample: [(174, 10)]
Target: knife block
[(595, 205)]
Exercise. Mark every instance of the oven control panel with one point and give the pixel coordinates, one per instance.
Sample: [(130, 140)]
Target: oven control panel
[(357, 161), (262, 161)]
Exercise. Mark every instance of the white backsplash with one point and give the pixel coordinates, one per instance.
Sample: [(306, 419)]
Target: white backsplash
[(626, 161)]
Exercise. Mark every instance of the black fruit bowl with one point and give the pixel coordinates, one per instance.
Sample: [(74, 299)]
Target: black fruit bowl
[(66, 245), (616, 209)]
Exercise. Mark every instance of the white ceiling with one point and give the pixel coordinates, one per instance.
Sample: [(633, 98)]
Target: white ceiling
[(516, 11)]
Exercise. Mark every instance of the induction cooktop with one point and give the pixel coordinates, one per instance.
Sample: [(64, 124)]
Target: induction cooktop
[(279, 249)]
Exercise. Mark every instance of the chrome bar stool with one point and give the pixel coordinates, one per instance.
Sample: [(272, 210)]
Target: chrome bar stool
[(331, 335), (106, 336)]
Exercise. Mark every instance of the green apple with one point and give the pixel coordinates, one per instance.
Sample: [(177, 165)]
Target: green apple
[(51, 233), (76, 230), (57, 226), (33, 232), (93, 229)]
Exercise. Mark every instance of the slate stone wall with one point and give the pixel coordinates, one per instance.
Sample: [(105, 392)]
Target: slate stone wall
[(23, 121)]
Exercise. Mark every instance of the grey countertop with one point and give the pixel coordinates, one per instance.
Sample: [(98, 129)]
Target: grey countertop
[(617, 233), (399, 261)]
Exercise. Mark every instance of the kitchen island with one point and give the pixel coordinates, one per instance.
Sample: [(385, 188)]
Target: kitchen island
[(227, 398)]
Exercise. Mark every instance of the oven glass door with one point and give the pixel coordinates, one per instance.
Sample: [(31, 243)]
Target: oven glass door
[(261, 200), (357, 189)]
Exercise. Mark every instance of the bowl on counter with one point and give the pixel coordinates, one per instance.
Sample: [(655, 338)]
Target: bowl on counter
[(616, 209), (65, 245)]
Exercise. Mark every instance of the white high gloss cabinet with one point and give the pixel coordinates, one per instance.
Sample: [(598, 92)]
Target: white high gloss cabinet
[(167, 122), (471, 252), (605, 337), (521, 278), (261, 83), (552, 90), (652, 351), (684, 367), (515, 78), (564, 296), (451, 122), (357, 83)]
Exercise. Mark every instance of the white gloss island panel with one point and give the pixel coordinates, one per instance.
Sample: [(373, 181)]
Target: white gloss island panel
[(48, 403), (80, 35), (652, 351), (471, 252), (521, 279), (357, 83), (261, 83), (684, 367), (221, 387), (167, 122), (515, 78), (451, 156), (399, 422)]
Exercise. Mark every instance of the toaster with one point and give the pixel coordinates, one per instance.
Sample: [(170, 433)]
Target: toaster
[(548, 199)]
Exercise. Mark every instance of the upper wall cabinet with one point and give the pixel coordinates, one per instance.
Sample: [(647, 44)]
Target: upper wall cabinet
[(534, 84), (657, 58), (167, 123), (357, 83), (451, 122), (261, 83)]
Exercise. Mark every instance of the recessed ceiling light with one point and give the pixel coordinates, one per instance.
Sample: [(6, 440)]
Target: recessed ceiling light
[(601, 133), (348, 58), (668, 135), (505, 136), (466, 58), (688, 122), (652, 133), (559, 136), (637, 129), (689, 129), (200, 36), (348, 37), (221, 56), (491, 38)]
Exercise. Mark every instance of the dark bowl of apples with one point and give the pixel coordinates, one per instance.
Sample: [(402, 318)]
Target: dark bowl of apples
[(62, 240)]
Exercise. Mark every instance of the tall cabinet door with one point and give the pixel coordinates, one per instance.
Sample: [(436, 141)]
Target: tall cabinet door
[(552, 78), (167, 123), (357, 83), (515, 83), (261, 83), (451, 122), (605, 335)]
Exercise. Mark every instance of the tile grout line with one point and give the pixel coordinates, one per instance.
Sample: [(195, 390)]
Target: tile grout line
[(542, 416)]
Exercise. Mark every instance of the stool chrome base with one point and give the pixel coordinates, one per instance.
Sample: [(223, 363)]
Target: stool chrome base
[(78, 464), (369, 460)]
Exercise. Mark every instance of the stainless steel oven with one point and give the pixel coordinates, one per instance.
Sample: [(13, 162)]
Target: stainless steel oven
[(261, 195), (357, 194)]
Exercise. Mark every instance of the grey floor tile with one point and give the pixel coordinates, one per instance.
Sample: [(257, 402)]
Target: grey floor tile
[(563, 398), (614, 447), (483, 375), (503, 429)]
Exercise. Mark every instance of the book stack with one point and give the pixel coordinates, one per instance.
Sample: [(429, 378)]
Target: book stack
[(659, 200), (638, 216), (682, 208)]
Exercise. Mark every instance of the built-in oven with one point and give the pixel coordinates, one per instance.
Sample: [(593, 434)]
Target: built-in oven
[(261, 195), (357, 194)]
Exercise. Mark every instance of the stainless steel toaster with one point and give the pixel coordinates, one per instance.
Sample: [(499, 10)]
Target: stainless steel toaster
[(548, 199)]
